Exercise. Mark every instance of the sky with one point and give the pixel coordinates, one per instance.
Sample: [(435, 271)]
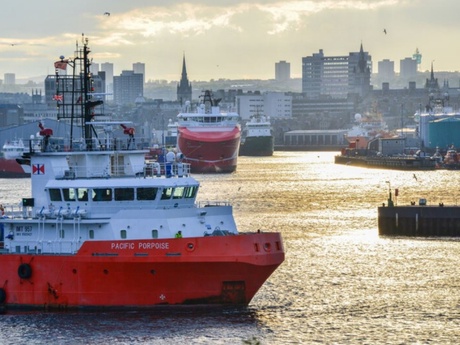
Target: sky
[(224, 39)]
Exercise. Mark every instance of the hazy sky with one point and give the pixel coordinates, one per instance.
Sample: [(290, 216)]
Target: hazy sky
[(225, 38)]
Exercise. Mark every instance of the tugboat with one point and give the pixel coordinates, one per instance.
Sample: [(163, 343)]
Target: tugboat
[(209, 139), (257, 137), (103, 229)]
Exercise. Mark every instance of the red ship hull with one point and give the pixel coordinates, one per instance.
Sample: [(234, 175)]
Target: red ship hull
[(143, 273), (210, 151), (9, 168)]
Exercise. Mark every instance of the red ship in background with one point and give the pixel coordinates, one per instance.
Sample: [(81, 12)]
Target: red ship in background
[(209, 139), (101, 230), (9, 167)]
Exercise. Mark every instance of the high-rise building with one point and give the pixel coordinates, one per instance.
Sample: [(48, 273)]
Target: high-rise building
[(9, 78), (336, 76), (282, 71), (139, 68), (184, 88), (408, 68), (94, 68), (127, 87), (276, 105), (107, 67), (386, 70)]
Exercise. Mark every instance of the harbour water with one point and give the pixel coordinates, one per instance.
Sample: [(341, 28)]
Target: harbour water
[(341, 282)]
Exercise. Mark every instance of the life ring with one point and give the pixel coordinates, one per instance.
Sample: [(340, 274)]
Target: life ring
[(2, 295), (24, 271)]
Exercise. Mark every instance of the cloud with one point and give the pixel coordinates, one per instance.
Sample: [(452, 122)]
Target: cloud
[(196, 19), (185, 19)]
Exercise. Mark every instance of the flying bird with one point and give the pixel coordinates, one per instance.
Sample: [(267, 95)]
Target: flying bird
[(385, 31), (107, 14), (415, 177)]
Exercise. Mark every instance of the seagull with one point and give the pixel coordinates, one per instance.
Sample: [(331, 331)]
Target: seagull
[(415, 177), (107, 14), (385, 31)]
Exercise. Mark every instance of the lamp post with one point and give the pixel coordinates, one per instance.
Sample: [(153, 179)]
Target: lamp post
[(390, 200)]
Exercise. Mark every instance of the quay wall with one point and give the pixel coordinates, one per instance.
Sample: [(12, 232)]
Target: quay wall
[(416, 220)]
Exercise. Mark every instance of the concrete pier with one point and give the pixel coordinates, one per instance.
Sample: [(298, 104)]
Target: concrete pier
[(419, 220)]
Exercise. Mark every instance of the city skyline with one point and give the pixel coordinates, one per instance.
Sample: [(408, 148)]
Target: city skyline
[(225, 39)]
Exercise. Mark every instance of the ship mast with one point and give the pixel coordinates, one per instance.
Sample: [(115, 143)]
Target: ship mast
[(74, 94)]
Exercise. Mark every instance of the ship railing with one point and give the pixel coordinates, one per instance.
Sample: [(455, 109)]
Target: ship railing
[(13, 211), (57, 144), (145, 169), (55, 247), (167, 169)]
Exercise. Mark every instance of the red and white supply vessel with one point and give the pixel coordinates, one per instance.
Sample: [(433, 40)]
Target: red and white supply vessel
[(104, 229), (209, 139), (9, 167)]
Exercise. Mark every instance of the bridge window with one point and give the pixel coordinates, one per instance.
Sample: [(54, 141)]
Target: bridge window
[(123, 194), (190, 192), (69, 194), (148, 193), (55, 194), (82, 194), (166, 194), (178, 192), (104, 194)]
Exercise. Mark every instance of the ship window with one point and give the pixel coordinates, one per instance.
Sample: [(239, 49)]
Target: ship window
[(123, 234), (178, 192), (148, 193), (82, 194), (69, 194), (104, 194), (55, 194), (61, 233), (190, 192), (167, 192), (122, 194), (154, 233), (91, 234)]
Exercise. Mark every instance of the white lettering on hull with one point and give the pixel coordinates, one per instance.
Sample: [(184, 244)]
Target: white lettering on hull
[(140, 245)]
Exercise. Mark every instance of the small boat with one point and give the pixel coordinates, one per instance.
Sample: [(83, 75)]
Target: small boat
[(257, 139), (208, 138), (9, 167), (105, 229), (451, 159)]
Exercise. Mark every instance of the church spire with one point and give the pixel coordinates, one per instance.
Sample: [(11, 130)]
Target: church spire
[(184, 88), (362, 64), (184, 69)]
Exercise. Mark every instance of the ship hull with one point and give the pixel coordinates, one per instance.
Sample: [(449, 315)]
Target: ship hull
[(257, 146), (210, 151), (9, 168), (143, 273)]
